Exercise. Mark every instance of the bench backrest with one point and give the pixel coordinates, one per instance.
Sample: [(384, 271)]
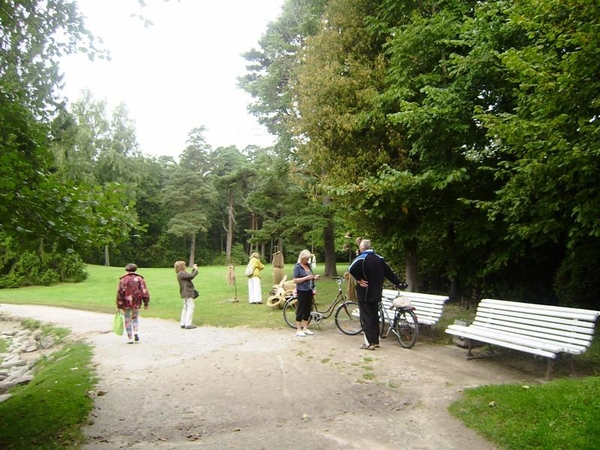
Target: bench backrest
[(428, 307), (571, 327)]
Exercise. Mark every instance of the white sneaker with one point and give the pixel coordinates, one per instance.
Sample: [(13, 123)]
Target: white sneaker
[(308, 332), (300, 334)]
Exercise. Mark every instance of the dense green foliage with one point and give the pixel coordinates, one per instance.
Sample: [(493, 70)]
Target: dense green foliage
[(30, 269), (461, 136), (41, 209)]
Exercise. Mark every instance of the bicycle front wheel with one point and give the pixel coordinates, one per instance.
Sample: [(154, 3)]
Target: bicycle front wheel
[(406, 327), (289, 311), (347, 318)]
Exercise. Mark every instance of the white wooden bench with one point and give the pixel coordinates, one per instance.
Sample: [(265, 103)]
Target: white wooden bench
[(548, 331), (428, 307)]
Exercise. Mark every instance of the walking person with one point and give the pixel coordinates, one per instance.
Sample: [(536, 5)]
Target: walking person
[(131, 293), (370, 270), (187, 292), (254, 287), (305, 285)]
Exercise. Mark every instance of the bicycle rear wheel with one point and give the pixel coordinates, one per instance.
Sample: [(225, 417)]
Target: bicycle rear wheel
[(406, 327), (289, 311), (347, 318)]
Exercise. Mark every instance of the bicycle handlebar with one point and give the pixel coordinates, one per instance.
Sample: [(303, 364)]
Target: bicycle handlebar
[(400, 286)]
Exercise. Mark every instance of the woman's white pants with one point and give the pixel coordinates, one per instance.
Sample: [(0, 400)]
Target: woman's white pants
[(187, 312), (254, 294)]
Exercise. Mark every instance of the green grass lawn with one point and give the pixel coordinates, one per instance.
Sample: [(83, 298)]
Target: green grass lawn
[(561, 415), (215, 305)]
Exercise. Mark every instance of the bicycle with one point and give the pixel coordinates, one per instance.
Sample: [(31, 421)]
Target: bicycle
[(403, 322), (347, 318)]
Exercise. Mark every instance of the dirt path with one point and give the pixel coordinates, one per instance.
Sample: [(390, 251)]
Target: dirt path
[(218, 388)]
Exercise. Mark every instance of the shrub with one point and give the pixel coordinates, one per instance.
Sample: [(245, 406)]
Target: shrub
[(29, 269), (576, 282), (48, 278)]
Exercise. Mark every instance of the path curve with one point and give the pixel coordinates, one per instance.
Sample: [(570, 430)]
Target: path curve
[(223, 388)]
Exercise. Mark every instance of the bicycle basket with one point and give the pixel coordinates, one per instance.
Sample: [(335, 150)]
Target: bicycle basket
[(401, 302)]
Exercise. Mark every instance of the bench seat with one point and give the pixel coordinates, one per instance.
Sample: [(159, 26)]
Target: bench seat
[(428, 307), (544, 330)]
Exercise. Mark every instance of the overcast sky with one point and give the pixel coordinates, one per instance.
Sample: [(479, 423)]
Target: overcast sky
[(179, 73)]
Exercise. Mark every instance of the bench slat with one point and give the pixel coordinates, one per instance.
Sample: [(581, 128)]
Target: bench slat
[(488, 315), (543, 330), (428, 307), (416, 296), (423, 305), (533, 327), (583, 328), (572, 339), (423, 316), (543, 310), (524, 325), (483, 334), (502, 343)]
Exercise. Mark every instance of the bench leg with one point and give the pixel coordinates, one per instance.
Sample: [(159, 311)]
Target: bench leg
[(470, 349), (572, 364), (551, 363)]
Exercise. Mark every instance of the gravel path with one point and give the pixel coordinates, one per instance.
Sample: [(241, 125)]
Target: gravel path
[(222, 388)]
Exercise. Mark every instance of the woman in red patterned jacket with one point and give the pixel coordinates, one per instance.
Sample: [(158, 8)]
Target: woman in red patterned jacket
[(130, 295)]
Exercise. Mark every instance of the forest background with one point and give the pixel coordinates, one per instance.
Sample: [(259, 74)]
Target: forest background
[(460, 136)]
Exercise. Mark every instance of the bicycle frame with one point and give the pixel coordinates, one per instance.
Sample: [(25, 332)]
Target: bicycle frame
[(387, 317), (402, 321), (316, 315)]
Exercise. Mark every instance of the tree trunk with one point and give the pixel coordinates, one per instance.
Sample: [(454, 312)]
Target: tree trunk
[(412, 265), (230, 222), (452, 265), (253, 226), (329, 248), (192, 251), (106, 256)]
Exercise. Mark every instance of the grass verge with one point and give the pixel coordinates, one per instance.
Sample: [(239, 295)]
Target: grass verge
[(562, 414), (48, 412)]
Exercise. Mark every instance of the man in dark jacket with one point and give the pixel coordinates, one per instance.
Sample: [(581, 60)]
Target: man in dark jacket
[(370, 270)]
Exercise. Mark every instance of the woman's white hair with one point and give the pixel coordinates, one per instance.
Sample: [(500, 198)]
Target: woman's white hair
[(304, 254)]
